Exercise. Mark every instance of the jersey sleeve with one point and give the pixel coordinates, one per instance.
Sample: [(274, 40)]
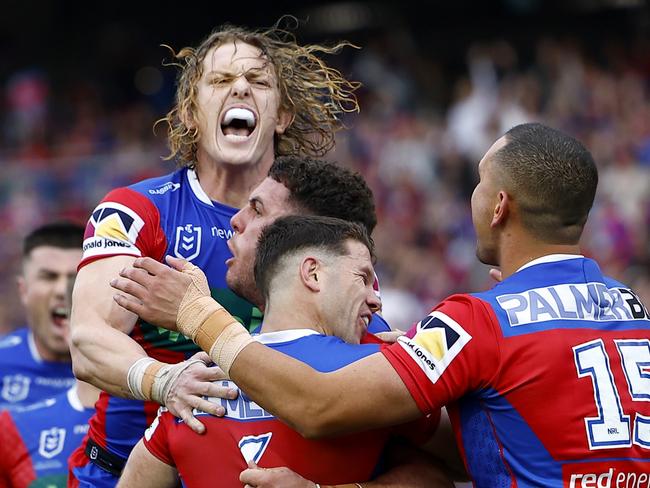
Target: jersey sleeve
[(124, 223), (451, 351), (156, 440)]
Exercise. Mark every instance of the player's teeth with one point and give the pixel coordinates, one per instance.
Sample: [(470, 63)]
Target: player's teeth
[(241, 114)]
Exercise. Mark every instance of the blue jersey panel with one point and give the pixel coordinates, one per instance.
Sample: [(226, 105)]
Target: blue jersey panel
[(26, 378), (51, 430)]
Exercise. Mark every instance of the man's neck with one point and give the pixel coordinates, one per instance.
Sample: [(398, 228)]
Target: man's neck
[(517, 252), (296, 316), (231, 184)]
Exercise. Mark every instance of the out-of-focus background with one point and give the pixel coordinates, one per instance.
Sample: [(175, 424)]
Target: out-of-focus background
[(81, 85)]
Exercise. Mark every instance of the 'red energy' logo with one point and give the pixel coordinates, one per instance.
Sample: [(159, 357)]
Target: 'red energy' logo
[(613, 474)]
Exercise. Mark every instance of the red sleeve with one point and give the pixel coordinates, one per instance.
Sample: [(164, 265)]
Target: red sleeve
[(15, 464), (421, 430), (451, 351), (156, 440), (124, 223)]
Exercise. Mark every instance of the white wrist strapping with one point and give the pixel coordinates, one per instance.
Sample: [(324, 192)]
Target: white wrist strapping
[(135, 376), (166, 377)]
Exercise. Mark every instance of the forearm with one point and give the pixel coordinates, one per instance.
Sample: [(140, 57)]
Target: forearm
[(321, 404), (144, 470), (102, 357)]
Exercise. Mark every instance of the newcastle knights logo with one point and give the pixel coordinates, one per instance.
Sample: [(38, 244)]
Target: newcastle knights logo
[(51, 442), (188, 242), (15, 387)]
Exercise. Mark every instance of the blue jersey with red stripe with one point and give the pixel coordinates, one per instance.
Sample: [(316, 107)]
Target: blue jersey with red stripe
[(248, 432), (159, 216), (26, 377), (547, 377), (35, 441)]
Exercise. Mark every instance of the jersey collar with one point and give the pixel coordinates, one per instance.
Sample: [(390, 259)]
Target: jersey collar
[(550, 258), (193, 180), (284, 335)]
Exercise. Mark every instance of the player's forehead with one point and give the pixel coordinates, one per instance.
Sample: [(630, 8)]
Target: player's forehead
[(53, 259), (273, 195), (359, 255), (234, 57)]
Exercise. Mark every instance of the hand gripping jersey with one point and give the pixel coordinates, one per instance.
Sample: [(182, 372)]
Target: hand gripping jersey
[(25, 377), (35, 442), (247, 432), (166, 215), (547, 376)]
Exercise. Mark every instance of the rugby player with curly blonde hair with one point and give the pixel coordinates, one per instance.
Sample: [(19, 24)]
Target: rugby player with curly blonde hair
[(244, 97)]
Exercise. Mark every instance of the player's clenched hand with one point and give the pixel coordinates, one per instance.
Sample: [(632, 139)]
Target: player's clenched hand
[(256, 477), (188, 391)]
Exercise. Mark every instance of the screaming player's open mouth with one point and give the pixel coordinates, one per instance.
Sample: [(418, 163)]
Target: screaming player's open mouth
[(238, 123), (59, 316)]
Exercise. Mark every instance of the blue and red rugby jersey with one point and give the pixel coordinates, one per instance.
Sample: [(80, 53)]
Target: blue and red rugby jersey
[(159, 216), (172, 215), (248, 432), (546, 377), (26, 377), (35, 441)]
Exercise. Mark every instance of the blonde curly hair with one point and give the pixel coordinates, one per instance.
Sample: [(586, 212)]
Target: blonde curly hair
[(316, 94)]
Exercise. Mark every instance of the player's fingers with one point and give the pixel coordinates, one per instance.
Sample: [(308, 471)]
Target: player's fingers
[(208, 407), (218, 391), (496, 275), (390, 336), (129, 304), (192, 422), (150, 265), (204, 357), (138, 276), (209, 373), (127, 286), (178, 263), (253, 476)]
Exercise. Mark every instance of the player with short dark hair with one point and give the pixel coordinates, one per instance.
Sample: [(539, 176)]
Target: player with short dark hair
[(317, 275), (35, 360)]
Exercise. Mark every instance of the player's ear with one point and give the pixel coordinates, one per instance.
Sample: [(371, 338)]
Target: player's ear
[(310, 268), (501, 209), (285, 118), (22, 288)]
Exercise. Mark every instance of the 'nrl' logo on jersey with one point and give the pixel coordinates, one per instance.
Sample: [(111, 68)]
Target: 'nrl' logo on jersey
[(15, 388), (51, 442), (188, 242)]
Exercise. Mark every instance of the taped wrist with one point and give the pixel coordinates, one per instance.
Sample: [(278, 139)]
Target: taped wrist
[(140, 377), (166, 377), (197, 304), (228, 344)]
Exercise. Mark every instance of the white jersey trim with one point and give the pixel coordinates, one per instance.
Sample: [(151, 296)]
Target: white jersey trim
[(32, 347), (193, 180), (73, 398), (284, 335), (550, 258)]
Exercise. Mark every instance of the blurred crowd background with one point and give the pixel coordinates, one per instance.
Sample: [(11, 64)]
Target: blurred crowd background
[(81, 87)]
